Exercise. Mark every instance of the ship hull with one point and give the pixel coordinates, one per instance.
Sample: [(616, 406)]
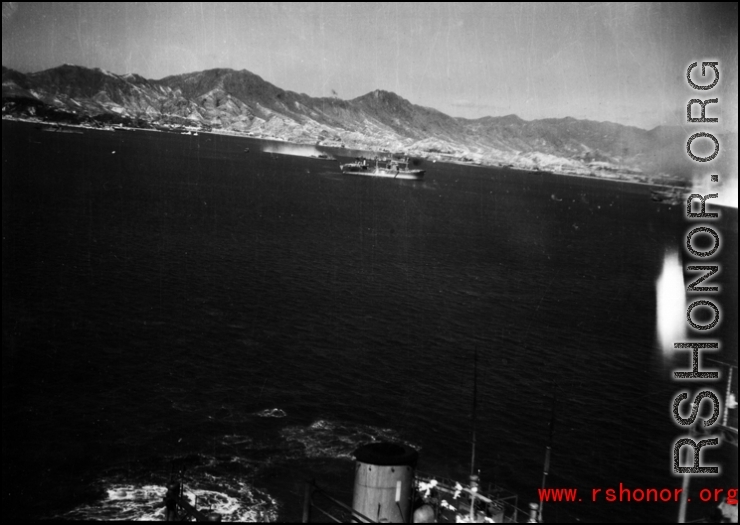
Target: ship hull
[(388, 174)]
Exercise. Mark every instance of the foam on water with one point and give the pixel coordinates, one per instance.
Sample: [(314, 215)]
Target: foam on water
[(271, 412), (330, 439), (220, 483), (237, 502), (123, 502), (236, 439)]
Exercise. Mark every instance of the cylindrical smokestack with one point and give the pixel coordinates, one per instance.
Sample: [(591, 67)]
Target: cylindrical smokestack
[(384, 477)]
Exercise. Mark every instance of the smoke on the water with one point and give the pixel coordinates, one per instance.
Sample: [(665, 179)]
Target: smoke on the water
[(299, 150)]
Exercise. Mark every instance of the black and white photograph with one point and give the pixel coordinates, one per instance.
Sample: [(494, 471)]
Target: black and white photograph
[(370, 262)]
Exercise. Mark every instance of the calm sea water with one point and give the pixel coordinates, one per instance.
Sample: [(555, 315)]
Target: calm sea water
[(178, 302)]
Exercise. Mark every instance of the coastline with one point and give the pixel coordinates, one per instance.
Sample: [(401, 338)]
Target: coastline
[(610, 175)]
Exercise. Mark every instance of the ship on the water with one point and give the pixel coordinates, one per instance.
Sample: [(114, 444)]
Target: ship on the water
[(390, 168), (389, 489)]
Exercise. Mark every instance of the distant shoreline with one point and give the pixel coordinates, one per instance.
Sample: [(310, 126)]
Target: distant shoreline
[(60, 127)]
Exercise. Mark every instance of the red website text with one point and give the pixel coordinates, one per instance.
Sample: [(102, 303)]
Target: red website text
[(625, 494)]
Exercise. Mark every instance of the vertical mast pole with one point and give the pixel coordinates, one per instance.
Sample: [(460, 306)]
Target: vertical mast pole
[(546, 469), (473, 477), (475, 403), (728, 393)]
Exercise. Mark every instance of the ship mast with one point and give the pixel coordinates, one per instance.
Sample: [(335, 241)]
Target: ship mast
[(475, 406), (548, 450), (473, 476)]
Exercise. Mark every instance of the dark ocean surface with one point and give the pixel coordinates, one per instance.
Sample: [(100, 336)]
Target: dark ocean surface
[(254, 317)]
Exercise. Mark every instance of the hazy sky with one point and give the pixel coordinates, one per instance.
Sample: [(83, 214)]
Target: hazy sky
[(624, 63)]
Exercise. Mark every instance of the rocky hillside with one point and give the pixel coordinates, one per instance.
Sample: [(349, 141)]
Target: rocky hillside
[(240, 101)]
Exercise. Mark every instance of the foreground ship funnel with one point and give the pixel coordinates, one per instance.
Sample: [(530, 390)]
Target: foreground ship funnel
[(384, 478)]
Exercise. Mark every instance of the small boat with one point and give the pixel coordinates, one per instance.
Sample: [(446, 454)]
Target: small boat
[(390, 168)]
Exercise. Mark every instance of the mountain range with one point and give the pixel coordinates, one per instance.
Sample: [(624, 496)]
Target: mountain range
[(242, 102)]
